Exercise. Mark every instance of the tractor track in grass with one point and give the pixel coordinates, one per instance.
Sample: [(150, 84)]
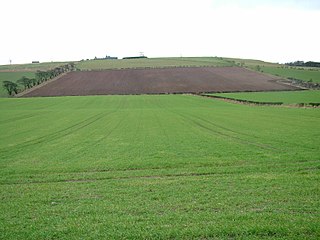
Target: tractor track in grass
[(232, 131), (21, 117), (121, 105), (161, 125), (105, 136), (198, 123), (238, 163), (221, 127), (244, 134), (58, 134), (297, 167), (115, 178), (34, 113), (225, 135), (189, 119)]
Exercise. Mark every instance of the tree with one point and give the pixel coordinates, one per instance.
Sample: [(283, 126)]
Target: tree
[(33, 81), (25, 82), (72, 66), (11, 87), (41, 76), (38, 77)]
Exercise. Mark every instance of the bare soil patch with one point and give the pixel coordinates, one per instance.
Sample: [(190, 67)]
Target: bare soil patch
[(160, 81)]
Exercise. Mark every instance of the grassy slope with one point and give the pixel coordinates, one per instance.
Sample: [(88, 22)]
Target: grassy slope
[(302, 74), (157, 167), (12, 76), (251, 63), (287, 97), (152, 62), (31, 67)]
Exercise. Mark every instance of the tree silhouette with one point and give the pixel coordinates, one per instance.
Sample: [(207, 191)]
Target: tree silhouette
[(11, 87)]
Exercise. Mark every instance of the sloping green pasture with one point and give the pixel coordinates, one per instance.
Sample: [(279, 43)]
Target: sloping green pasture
[(169, 166), (251, 63), (33, 67), (305, 74), (301, 73)]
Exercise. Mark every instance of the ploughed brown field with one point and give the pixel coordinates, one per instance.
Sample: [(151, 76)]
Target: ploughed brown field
[(165, 80)]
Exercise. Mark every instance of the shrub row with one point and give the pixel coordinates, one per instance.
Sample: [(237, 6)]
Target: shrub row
[(262, 103), (40, 77), (245, 101), (304, 84)]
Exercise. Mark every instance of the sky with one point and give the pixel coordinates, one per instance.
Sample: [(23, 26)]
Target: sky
[(68, 30)]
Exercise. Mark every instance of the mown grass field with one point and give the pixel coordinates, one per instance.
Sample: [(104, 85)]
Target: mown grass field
[(304, 74), (153, 63), (12, 76), (287, 97), (167, 166)]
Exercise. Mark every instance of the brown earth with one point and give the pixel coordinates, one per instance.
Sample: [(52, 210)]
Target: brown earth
[(157, 81)]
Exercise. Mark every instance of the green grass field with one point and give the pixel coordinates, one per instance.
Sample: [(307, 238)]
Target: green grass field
[(31, 66), (301, 74), (153, 62), (251, 63), (287, 97), (305, 74), (160, 167), (12, 76)]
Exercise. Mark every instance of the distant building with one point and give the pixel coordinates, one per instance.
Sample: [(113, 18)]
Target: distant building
[(35, 62), (109, 57)]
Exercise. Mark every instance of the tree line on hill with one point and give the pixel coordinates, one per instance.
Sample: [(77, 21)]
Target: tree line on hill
[(304, 64), (40, 77), (137, 57)]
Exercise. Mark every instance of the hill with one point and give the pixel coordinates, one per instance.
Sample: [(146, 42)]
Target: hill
[(309, 75)]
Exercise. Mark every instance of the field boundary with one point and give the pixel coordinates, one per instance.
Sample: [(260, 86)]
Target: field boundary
[(151, 68), (255, 103), (289, 83), (29, 90)]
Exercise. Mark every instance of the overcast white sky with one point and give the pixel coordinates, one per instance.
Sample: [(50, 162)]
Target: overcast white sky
[(57, 30)]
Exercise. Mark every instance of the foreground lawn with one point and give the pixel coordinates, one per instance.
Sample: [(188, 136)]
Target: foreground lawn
[(170, 166), (287, 97)]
